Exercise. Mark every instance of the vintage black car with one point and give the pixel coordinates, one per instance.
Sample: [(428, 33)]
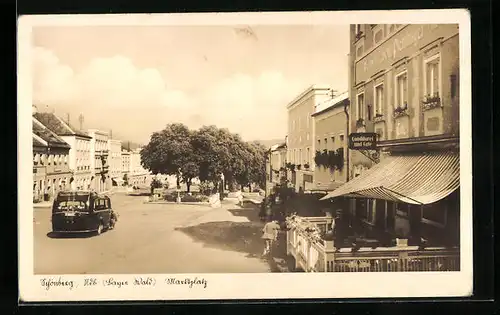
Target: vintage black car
[(82, 211)]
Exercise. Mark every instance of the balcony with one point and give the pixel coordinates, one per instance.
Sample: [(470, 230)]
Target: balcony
[(314, 254)]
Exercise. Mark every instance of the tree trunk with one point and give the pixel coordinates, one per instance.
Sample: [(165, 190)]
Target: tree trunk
[(188, 184), (178, 181)]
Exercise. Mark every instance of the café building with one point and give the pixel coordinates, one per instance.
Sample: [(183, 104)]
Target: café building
[(404, 89)]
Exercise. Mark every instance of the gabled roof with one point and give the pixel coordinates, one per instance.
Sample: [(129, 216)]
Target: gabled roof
[(339, 100), (58, 126), (37, 142), (47, 135)]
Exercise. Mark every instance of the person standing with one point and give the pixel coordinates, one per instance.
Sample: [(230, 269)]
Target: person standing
[(270, 234)]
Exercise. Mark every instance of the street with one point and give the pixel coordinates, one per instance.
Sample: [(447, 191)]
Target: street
[(144, 241)]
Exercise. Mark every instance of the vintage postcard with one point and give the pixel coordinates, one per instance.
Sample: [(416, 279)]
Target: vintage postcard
[(245, 156)]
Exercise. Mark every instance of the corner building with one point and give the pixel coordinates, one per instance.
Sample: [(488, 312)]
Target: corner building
[(404, 86), (301, 143)]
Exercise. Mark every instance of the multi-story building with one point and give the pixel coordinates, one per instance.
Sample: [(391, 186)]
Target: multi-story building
[(79, 154), (138, 176), (301, 144), (115, 161), (99, 154), (125, 157), (330, 157), (404, 86), (51, 172), (277, 162)]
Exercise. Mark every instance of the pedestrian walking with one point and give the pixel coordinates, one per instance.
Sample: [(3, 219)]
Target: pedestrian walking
[(240, 198), (270, 235)]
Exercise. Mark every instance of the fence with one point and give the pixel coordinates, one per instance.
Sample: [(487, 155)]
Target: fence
[(313, 254)]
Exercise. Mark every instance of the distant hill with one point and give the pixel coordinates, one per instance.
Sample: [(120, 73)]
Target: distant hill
[(269, 143)]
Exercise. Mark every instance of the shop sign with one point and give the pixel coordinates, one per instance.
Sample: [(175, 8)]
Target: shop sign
[(363, 141)]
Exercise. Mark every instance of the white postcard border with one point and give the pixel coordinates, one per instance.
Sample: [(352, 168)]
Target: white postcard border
[(245, 286)]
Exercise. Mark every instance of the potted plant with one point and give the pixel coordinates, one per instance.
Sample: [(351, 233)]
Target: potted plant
[(360, 123), (401, 110), (306, 166), (299, 166), (378, 117), (431, 101)]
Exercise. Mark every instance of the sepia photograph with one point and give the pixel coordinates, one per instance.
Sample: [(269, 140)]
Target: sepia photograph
[(257, 145)]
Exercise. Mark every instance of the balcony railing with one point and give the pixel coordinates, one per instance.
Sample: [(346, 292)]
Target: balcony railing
[(314, 254)]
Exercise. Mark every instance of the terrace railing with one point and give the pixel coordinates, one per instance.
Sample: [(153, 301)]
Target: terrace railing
[(314, 254)]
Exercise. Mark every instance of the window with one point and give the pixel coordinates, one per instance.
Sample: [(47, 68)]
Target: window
[(326, 143), (307, 120), (307, 136), (401, 89), (435, 214), (379, 99), (378, 33), (359, 51), (308, 157), (333, 142), (360, 103), (357, 29), (319, 144), (300, 156), (341, 140), (432, 76), (402, 209)]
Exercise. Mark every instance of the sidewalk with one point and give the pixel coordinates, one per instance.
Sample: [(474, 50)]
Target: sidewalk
[(48, 204)]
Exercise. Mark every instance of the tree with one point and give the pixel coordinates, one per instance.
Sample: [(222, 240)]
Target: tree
[(189, 171), (168, 150)]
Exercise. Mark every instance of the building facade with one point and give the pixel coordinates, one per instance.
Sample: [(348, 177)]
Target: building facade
[(115, 161), (51, 172), (99, 155), (330, 157), (138, 176), (79, 153), (125, 157), (404, 85), (301, 135), (277, 160)]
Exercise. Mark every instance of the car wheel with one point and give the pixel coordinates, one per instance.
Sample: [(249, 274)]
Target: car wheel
[(100, 228)]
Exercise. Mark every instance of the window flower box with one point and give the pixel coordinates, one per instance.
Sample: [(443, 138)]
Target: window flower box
[(378, 118), (360, 123), (431, 101), (401, 111)]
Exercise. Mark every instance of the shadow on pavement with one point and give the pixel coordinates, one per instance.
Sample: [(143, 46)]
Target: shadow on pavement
[(251, 212), (244, 237), (69, 235)]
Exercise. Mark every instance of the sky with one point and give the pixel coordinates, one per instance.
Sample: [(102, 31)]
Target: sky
[(134, 80)]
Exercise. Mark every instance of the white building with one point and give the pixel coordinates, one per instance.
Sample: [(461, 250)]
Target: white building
[(115, 160), (79, 153), (125, 160), (99, 154), (138, 176)]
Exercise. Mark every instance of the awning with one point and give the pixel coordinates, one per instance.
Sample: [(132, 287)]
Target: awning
[(417, 179)]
